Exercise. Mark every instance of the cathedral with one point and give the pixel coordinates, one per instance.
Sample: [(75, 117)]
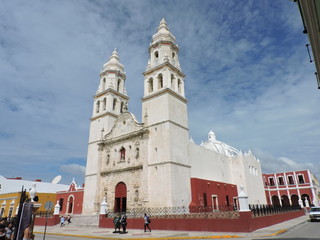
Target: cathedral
[(155, 163)]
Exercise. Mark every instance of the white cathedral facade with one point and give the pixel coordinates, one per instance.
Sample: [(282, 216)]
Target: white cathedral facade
[(151, 164)]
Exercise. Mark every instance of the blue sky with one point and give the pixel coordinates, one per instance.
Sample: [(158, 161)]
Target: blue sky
[(248, 78)]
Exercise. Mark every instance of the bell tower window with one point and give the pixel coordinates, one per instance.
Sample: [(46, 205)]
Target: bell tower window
[(98, 107), (104, 103), (114, 104), (118, 85), (173, 55), (160, 81), (150, 85), (121, 107), (103, 84), (179, 85), (156, 54), (172, 81)]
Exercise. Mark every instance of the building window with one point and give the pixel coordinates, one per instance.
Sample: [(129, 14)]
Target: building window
[(179, 85), (61, 204), (300, 179), (150, 85), (214, 202), (290, 180), (118, 85), (205, 203), (280, 181), (160, 81), (104, 103), (114, 104), (121, 107), (98, 107), (122, 154), (103, 84), (271, 181), (156, 54)]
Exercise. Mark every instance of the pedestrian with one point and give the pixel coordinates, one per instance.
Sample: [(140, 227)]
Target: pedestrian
[(2, 230), (9, 231), (69, 219), (62, 221), (123, 222), (116, 223), (147, 221), (27, 233)]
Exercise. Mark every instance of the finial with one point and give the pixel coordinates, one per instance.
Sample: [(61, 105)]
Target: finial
[(163, 24)]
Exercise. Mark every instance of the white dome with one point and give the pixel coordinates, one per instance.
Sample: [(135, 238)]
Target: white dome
[(220, 147)]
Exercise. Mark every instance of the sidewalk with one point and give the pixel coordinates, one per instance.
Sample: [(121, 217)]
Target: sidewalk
[(107, 233)]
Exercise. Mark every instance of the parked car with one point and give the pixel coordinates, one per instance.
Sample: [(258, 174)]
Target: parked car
[(314, 214)]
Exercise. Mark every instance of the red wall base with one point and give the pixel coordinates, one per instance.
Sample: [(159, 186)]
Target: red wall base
[(41, 221), (246, 223)]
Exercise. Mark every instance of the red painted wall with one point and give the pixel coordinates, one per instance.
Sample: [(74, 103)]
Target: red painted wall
[(201, 188), (76, 194), (245, 223), (51, 221)]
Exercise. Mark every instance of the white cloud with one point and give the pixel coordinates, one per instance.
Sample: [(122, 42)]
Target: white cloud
[(73, 169)]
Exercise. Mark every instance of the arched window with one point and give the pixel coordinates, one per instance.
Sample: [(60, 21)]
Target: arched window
[(172, 81), (160, 81), (118, 85), (104, 103), (122, 154), (150, 85), (121, 107), (98, 106), (156, 54), (173, 55), (114, 104), (179, 85)]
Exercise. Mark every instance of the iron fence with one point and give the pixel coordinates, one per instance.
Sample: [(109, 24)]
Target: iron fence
[(263, 210), (221, 211)]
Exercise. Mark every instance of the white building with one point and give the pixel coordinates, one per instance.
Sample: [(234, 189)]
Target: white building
[(150, 164)]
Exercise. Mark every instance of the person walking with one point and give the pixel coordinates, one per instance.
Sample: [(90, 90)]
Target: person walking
[(147, 221), (62, 221), (69, 219), (123, 222)]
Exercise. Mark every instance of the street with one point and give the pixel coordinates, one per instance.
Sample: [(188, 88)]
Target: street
[(305, 230)]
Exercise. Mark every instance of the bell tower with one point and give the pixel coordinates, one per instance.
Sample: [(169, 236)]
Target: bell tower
[(110, 101), (164, 110)]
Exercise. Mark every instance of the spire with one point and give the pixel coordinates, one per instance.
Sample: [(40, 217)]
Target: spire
[(163, 24), (114, 62), (163, 33)]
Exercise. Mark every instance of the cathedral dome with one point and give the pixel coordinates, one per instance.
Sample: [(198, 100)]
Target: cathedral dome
[(220, 147)]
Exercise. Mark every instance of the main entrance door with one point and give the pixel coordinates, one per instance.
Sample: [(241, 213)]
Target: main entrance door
[(120, 201)]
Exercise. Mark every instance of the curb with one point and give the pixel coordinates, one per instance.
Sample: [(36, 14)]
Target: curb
[(148, 238)]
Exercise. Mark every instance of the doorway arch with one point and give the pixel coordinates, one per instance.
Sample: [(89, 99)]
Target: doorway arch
[(285, 201), (275, 200), (294, 200), (70, 204), (120, 200)]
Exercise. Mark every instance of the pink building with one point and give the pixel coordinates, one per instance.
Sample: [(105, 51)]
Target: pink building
[(292, 188)]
